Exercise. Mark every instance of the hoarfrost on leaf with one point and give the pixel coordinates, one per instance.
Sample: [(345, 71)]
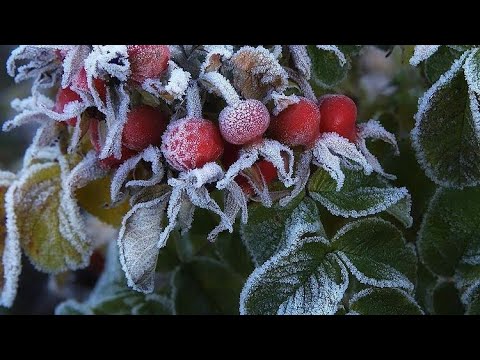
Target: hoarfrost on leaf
[(373, 301), (301, 59), (334, 49), (472, 71), (422, 53), (303, 279)]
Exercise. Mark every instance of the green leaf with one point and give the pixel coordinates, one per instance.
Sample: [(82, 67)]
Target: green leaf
[(448, 235), (231, 250), (446, 299), (303, 279), (205, 286), (447, 130), (473, 307), (47, 220), (327, 70), (112, 296), (95, 199), (376, 253), (472, 71), (271, 229), (439, 63), (426, 282), (384, 302), (361, 195)]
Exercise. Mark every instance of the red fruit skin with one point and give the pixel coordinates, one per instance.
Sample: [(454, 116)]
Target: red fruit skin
[(82, 84), (338, 114), (190, 143), (244, 122), (147, 61), (110, 162), (145, 126), (65, 96), (298, 124)]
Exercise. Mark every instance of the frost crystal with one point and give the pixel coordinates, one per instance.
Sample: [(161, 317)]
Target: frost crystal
[(472, 71), (174, 88), (215, 55), (422, 53), (341, 57), (256, 72), (301, 59)]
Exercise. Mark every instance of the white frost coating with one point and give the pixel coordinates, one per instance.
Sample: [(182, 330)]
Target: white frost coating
[(386, 198), (84, 172), (6, 178), (341, 57), (296, 226), (137, 243), (74, 62), (11, 257), (366, 292), (220, 85), (108, 59), (215, 54), (153, 155), (422, 53), (279, 155), (173, 88), (194, 103), (424, 105), (117, 109), (282, 101), (304, 85), (302, 174), (330, 149), (254, 68), (276, 51), (472, 71), (40, 148), (301, 59), (315, 293), (190, 186), (41, 65), (394, 279), (468, 295)]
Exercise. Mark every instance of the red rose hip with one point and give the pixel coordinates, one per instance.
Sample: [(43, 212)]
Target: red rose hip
[(244, 122), (99, 84), (147, 61), (64, 97), (145, 126), (338, 114), (190, 143), (298, 124)]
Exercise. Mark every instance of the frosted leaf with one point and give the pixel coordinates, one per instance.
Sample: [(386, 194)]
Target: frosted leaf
[(422, 53), (376, 253), (153, 155), (401, 211), (108, 59), (138, 240), (87, 170), (10, 254), (302, 174), (74, 62), (303, 279), (257, 72), (472, 71), (446, 132), (374, 130), (40, 148), (46, 219), (383, 302), (282, 101), (218, 84), (173, 88), (214, 57), (448, 242), (330, 149), (301, 59), (235, 201), (118, 103), (38, 63), (334, 49)]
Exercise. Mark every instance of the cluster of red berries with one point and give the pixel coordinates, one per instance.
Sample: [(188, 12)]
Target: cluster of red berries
[(192, 142)]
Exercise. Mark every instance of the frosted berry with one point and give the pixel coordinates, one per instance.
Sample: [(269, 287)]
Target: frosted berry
[(147, 61), (244, 122), (145, 126), (298, 124), (82, 84), (338, 114), (64, 97), (110, 162), (190, 143)]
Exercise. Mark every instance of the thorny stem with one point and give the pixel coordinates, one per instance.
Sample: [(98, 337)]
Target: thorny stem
[(223, 86)]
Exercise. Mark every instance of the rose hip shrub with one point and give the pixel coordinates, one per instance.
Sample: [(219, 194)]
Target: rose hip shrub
[(242, 179)]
